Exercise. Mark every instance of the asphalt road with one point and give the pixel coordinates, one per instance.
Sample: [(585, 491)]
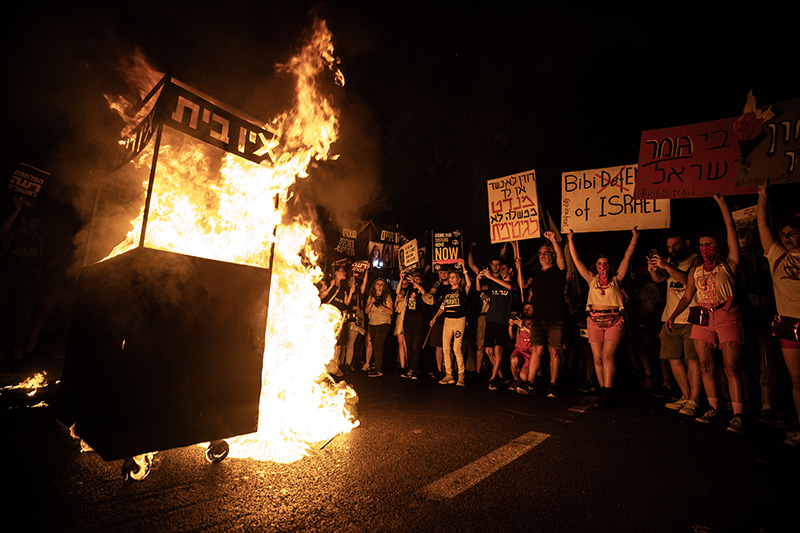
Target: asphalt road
[(426, 457)]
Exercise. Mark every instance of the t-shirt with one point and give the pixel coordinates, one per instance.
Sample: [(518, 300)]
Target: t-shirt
[(378, 314), (500, 300), (548, 294), (785, 268), (414, 303), (609, 295), (336, 298), (675, 291), (455, 303), (714, 287)]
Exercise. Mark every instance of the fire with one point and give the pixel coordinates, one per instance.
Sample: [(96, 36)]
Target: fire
[(220, 206), (34, 383)]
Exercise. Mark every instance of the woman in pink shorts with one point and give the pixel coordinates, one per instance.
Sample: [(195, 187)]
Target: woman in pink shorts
[(604, 304), (784, 262), (713, 281)]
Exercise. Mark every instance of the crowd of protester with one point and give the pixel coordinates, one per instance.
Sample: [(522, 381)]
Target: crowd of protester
[(693, 326)]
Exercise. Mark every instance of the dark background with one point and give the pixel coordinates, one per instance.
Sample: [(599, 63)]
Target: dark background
[(438, 99)]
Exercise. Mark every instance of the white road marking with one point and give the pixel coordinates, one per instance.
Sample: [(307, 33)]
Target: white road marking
[(462, 479)]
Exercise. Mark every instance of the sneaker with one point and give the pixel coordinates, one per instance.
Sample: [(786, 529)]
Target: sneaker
[(586, 386), (709, 416), (552, 390), (768, 416), (412, 375), (677, 405), (533, 389), (447, 380), (792, 438), (461, 382), (736, 425), (514, 385), (365, 368), (493, 385), (605, 397), (405, 374), (689, 408), (523, 389), (374, 373)]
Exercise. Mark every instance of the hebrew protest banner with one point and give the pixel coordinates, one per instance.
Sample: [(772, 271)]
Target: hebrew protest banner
[(347, 243), (28, 182), (409, 255), (689, 161), (770, 143), (448, 249), (513, 207), (603, 200)]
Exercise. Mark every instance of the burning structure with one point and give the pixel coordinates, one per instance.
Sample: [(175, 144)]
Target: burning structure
[(170, 344)]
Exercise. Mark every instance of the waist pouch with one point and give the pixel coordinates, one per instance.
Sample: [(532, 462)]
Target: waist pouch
[(699, 316), (786, 327), (604, 321)]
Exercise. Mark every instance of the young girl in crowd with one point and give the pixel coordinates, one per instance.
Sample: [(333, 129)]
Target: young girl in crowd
[(521, 356), (784, 261), (379, 308), (604, 304), (454, 308), (719, 321)]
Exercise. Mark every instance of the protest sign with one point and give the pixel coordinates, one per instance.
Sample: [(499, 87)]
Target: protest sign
[(602, 200), (409, 256), (513, 207), (28, 182), (347, 243), (770, 149), (689, 161), (746, 228), (359, 268), (447, 249)]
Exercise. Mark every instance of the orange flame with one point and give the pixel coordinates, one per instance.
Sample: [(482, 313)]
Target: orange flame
[(223, 207)]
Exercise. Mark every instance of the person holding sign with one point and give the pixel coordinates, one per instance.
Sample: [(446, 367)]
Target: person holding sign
[(784, 261), (716, 320), (604, 304), (380, 308), (454, 308)]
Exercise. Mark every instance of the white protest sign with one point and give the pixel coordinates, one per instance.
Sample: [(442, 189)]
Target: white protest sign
[(602, 199), (746, 227), (513, 207)]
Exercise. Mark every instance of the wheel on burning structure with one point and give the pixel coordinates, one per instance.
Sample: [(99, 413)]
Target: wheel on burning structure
[(217, 451), (137, 468)]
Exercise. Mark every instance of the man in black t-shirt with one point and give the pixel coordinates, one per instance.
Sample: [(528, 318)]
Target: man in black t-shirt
[(547, 286)]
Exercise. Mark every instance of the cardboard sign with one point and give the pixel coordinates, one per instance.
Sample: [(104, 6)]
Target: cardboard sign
[(770, 150), (513, 207), (689, 161), (409, 256), (347, 243), (359, 268), (447, 249), (746, 228), (28, 182), (603, 200)]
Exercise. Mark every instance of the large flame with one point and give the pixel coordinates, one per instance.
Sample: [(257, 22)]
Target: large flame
[(223, 207)]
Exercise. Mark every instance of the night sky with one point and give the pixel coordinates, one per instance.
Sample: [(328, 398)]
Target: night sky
[(439, 98)]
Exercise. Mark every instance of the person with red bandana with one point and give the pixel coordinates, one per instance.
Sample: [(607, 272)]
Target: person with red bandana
[(604, 304), (717, 321), (784, 260)]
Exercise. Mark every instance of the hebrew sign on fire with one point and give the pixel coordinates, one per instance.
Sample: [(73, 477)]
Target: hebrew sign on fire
[(774, 151), (513, 207)]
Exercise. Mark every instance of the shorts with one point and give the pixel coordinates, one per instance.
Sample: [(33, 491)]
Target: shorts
[(678, 343), (789, 345), (723, 327), (495, 334), (548, 333), (613, 333), (526, 358), (480, 332)]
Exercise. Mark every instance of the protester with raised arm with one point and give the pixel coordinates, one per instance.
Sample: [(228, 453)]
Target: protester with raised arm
[(716, 320), (783, 255), (604, 304)]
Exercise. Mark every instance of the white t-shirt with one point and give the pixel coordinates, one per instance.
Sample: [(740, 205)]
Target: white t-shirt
[(785, 269)]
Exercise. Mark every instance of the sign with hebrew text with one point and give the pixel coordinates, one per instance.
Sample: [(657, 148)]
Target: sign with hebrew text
[(28, 182), (689, 161), (770, 150), (513, 207)]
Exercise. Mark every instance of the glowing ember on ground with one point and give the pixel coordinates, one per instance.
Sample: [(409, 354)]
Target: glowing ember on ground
[(35, 382), (224, 208)]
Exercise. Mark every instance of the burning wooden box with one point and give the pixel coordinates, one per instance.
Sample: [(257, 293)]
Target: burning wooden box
[(167, 339)]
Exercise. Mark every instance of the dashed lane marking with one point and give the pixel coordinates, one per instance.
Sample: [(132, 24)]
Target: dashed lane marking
[(468, 476)]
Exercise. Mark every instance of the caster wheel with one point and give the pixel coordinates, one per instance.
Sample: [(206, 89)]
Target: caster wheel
[(137, 468), (217, 451)]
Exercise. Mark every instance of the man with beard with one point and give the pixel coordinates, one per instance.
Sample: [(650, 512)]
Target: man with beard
[(676, 346)]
